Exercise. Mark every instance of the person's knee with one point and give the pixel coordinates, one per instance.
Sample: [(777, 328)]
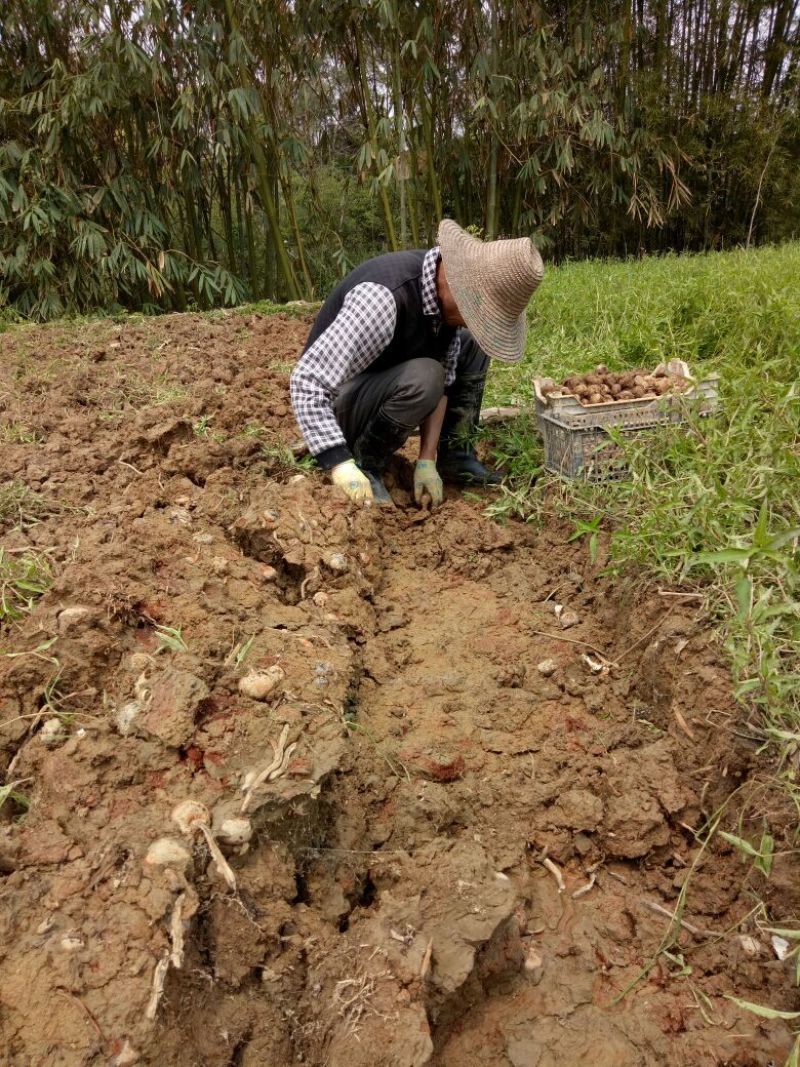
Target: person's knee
[(419, 388)]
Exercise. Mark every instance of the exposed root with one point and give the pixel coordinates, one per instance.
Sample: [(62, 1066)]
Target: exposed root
[(276, 769), (176, 933), (584, 889), (556, 873), (159, 977)]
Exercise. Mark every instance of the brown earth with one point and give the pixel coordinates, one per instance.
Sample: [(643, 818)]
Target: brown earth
[(392, 906)]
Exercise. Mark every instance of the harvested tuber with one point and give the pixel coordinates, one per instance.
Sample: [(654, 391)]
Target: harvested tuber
[(603, 386)]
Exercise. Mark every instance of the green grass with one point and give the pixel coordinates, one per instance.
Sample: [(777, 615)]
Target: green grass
[(300, 310), (21, 506), (14, 433), (23, 579), (717, 507)]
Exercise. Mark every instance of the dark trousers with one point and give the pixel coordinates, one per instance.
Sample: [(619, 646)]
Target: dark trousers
[(408, 392)]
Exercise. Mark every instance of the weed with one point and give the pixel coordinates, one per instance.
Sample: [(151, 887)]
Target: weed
[(584, 528), (241, 654), (21, 506), (202, 427), (762, 856), (23, 579), (170, 638), (282, 460), (254, 429), (10, 792), (299, 309), (37, 653), (14, 433), (282, 366), (164, 391)]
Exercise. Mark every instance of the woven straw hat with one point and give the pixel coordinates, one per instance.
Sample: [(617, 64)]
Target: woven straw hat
[(492, 283)]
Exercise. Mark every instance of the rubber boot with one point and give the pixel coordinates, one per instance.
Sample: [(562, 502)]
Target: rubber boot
[(373, 449), (457, 460)]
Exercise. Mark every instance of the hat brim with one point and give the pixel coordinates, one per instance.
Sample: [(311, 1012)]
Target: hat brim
[(501, 336)]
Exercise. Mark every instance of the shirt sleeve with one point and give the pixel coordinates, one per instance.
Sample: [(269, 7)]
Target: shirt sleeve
[(362, 329), (450, 361)]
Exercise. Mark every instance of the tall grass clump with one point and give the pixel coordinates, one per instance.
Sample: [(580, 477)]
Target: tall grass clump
[(717, 504)]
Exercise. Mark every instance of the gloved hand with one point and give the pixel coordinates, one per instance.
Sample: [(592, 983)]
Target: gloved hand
[(427, 480), (351, 478)]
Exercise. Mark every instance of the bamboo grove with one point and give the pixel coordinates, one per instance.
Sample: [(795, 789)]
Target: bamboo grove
[(163, 155)]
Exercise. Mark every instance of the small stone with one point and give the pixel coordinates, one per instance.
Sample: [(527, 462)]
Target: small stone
[(71, 943), (582, 843), (70, 617), (258, 685), (547, 668), (750, 946), (438, 765), (140, 661), (534, 965), (52, 733), (568, 618), (297, 479), (269, 574), (167, 852), (125, 716), (127, 1056), (781, 947), (236, 831), (320, 599), (337, 562), (219, 565)]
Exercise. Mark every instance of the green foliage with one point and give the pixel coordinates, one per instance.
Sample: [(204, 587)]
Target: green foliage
[(169, 156), (717, 505), (281, 460), (762, 856), (10, 792), (170, 638), (23, 579)]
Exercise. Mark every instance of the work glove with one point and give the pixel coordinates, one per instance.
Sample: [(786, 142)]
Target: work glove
[(351, 478), (427, 481)]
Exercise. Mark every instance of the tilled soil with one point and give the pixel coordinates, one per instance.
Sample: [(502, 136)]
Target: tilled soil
[(450, 735)]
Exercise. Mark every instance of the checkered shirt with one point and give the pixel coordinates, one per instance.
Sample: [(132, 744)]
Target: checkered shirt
[(362, 330)]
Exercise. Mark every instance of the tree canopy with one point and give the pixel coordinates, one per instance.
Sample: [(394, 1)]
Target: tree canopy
[(157, 154)]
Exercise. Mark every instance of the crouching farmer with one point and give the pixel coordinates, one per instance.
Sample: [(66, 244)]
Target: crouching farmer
[(403, 342)]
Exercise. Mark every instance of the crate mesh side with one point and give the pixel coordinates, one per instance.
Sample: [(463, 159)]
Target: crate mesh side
[(587, 452)]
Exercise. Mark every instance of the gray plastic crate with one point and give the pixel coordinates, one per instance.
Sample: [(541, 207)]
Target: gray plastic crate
[(577, 441)]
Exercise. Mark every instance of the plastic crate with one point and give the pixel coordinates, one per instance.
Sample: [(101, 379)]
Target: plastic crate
[(577, 439)]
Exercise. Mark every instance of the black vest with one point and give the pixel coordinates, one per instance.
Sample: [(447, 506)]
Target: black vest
[(415, 334)]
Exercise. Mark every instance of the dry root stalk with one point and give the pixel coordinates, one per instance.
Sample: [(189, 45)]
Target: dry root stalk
[(176, 933), (281, 756), (426, 960), (556, 873), (159, 977), (191, 816), (584, 889)]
